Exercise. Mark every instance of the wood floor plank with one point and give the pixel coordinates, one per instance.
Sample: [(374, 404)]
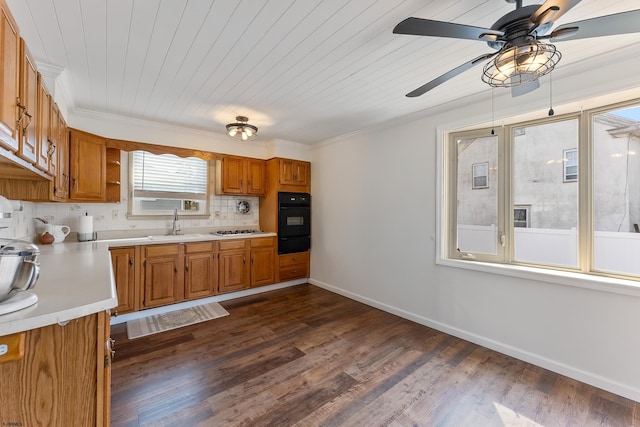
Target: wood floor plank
[(303, 356)]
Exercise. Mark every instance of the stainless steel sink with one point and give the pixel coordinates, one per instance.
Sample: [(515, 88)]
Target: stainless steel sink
[(175, 237)]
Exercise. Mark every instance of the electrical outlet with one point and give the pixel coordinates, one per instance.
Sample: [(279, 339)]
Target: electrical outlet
[(114, 214), (216, 214)]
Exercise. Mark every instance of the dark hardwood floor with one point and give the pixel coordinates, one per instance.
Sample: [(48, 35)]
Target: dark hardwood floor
[(304, 356)]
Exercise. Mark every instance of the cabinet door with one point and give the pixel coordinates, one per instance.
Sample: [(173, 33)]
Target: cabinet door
[(122, 260), (301, 173), (43, 123), (234, 270), (233, 175), (87, 166), (54, 138), (200, 275), (160, 281), (28, 147), (9, 78), (61, 178), (263, 266), (256, 170)]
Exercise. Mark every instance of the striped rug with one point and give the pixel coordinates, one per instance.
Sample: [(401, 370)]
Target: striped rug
[(174, 319)]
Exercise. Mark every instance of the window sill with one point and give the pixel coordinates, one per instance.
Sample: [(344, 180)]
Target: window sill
[(566, 278)]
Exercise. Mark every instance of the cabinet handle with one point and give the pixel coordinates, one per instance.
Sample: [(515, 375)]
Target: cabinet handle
[(244, 260), (144, 263), (51, 150), (175, 270), (130, 263), (186, 267), (251, 260), (73, 182)]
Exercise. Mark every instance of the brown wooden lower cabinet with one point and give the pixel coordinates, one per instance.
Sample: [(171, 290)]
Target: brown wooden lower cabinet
[(200, 270), (263, 261), (63, 379), (123, 263), (293, 266), (162, 275), (149, 276), (233, 257)]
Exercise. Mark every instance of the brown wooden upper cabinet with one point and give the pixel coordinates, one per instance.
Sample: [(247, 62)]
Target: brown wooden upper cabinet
[(27, 134), (240, 175), (60, 185), (9, 78), (43, 125), (294, 172), (87, 166)]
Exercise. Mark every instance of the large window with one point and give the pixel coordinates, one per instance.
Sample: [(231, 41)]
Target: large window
[(566, 197), (160, 184)]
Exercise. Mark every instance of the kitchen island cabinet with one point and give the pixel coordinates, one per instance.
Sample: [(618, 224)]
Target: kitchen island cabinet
[(63, 379)]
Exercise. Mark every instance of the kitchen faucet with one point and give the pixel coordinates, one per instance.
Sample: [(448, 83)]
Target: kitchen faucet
[(175, 228)]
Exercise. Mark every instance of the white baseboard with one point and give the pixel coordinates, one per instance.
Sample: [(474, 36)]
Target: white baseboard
[(192, 303), (595, 380)]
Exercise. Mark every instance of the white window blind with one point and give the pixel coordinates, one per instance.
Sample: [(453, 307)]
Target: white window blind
[(168, 176)]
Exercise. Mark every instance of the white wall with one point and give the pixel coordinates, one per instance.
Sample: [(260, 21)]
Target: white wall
[(374, 239)]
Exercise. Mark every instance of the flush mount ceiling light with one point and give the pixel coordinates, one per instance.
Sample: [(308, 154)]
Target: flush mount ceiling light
[(242, 129), (517, 65)]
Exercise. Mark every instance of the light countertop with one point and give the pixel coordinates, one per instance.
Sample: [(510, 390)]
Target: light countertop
[(76, 279)]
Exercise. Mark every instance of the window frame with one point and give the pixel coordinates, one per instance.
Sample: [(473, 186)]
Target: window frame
[(474, 176), (585, 276), (565, 165)]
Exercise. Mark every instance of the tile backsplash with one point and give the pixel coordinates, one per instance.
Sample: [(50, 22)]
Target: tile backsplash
[(111, 217)]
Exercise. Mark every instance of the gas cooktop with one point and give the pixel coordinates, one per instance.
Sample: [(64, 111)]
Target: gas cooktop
[(236, 232)]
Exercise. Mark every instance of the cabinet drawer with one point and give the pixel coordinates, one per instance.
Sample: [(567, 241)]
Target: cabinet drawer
[(194, 247), (232, 244), (293, 272), (263, 242), (160, 250), (300, 258)]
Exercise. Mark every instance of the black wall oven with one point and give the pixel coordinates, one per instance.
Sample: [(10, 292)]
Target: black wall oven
[(294, 222)]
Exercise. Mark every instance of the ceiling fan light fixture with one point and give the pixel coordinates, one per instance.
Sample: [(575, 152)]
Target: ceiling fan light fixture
[(242, 129), (520, 64)]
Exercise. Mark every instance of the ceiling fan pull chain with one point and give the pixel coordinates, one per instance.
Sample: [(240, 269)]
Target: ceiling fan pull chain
[(493, 132), (551, 112)]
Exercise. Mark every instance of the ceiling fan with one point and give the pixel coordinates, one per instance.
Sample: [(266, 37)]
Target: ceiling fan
[(522, 55)]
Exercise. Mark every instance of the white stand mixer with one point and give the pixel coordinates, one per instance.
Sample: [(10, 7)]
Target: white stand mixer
[(19, 270)]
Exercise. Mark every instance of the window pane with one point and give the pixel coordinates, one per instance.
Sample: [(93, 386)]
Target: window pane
[(539, 182), (477, 195), (616, 191), (167, 173)]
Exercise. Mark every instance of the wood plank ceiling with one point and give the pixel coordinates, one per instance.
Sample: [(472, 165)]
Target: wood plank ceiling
[(304, 71)]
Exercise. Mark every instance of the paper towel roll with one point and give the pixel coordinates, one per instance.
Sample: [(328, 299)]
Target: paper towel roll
[(85, 225)]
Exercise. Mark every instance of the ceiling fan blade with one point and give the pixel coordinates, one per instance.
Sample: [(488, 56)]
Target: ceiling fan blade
[(449, 74), (428, 27), (551, 10), (525, 88), (618, 23)]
